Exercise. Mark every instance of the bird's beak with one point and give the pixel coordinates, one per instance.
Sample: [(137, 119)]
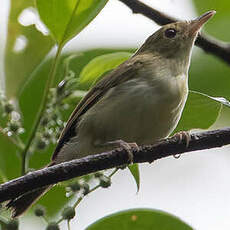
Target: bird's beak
[(197, 23)]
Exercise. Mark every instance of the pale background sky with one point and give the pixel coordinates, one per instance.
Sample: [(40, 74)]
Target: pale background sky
[(194, 187)]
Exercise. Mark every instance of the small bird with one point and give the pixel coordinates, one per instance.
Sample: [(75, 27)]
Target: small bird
[(138, 103)]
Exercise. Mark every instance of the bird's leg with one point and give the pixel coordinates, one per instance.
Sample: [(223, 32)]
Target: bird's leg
[(183, 135), (123, 145)]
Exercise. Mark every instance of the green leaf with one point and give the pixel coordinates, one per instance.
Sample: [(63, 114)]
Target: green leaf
[(100, 65), (200, 112), (209, 75), (134, 169), (136, 219), (65, 19), (220, 100), (217, 26), (19, 65), (9, 160), (54, 200)]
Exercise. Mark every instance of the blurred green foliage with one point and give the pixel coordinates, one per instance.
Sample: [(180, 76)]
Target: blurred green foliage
[(217, 26), (97, 67), (34, 89), (65, 19), (137, 219), (20, 65), (26, 74)]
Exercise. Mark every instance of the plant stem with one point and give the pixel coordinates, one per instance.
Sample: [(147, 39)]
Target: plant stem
[(60, 220), (42, 107), (45, 219), (68, 224), (93, 189), (20, 144)]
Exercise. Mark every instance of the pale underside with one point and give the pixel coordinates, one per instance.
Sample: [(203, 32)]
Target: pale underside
[(141, 110)]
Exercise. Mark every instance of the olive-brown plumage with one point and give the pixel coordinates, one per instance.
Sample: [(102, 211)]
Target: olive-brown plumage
[(141, 101)]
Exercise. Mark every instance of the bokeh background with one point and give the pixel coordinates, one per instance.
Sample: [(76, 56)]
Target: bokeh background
[(194, 187)]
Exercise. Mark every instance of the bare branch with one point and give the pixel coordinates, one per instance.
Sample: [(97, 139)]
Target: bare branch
[(107, 160), (209, 44)]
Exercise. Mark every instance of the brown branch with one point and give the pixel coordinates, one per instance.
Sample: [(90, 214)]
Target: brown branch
[(107, 160), (209, 44)]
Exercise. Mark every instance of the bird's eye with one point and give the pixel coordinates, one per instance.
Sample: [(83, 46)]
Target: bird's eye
[(170, 33)]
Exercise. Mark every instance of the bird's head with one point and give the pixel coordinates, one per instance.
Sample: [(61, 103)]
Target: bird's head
[(175, 40)]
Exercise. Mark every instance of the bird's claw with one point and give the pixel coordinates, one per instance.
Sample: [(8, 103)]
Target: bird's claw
[(182, 135)]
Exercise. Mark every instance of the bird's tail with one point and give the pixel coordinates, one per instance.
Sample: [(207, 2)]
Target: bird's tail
[(20, 204)]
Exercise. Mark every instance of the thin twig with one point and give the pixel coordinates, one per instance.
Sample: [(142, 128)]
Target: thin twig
[(68, 224), (93, 189), (78, 201), (209, 44), (93, 163), (41, 109)]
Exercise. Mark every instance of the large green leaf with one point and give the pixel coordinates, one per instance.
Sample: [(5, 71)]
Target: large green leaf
[(20, 64), (100, 65), (200, 112), (210, 76), (217, 26), (137, 219), (65, 19)]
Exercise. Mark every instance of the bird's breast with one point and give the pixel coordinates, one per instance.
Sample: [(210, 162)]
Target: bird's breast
[(136, 111)]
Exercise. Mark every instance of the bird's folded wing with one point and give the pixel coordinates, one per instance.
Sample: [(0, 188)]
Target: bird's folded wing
[(123, 73)]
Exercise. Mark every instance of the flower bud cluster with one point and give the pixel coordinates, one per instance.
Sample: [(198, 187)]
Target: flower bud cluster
[(52, 122), (10, 116)]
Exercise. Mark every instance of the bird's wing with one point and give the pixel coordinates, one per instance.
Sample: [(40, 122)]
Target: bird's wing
[(123, 73)]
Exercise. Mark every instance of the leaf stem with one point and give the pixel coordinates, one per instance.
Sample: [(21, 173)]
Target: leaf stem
[(42, 107), (93, 189), (68, 224), (90, 191)]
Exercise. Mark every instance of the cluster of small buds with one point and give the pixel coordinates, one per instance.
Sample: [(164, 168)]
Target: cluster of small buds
[(12, 225), (85, 188), (75, 186), (67, 86), (40, 211), (82, 187), (13, 125), (52, 123), (50, 128), (68, 213), (98, 174), (52, 226), (104, 181)]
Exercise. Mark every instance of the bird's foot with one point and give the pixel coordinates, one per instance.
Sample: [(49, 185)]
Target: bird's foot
[(128, 147), (182, 136)]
